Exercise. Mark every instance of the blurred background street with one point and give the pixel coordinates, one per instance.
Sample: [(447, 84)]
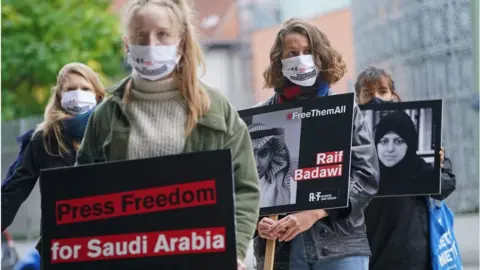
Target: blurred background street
[(429, 46)]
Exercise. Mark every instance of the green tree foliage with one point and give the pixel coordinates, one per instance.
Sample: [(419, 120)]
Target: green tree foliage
[(40, 36)]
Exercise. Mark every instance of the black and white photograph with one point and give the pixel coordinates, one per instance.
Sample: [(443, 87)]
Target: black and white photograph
[(408, 139), (276, 145), (302, 153)]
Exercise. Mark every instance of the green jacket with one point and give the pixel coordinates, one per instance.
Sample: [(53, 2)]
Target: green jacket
[(107, 134)]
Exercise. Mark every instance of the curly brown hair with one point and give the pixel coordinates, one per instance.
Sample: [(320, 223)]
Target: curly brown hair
[(329, 61)]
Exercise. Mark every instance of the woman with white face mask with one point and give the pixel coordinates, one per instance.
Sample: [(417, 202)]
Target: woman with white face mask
[(55, 141), (163, 108), (303, 65)]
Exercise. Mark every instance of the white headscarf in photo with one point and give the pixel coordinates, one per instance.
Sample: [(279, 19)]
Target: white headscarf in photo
[(280, 162)]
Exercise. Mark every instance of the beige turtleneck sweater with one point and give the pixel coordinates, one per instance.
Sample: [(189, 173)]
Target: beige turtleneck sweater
[(158, 116)]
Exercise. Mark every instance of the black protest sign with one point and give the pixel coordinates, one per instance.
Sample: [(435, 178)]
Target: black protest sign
[(173, 212), (407, 136), (302, 150)]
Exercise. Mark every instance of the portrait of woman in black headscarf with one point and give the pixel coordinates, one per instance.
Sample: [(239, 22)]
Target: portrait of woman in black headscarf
[(402, 171)]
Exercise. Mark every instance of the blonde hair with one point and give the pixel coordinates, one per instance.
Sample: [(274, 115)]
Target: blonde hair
[(185, 73), (54, 113), (327, 59)]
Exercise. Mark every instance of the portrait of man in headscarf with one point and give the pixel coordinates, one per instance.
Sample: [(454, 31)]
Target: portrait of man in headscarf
[(273, 164)]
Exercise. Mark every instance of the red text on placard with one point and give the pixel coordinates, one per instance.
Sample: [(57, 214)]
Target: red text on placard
[(136, 202)]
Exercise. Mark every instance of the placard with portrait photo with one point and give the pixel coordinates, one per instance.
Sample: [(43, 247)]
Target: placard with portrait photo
[(407, 137), (302, 153)]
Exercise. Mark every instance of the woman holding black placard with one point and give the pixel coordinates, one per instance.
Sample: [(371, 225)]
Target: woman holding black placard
[(163, 108), (398, 227), (303, 65)]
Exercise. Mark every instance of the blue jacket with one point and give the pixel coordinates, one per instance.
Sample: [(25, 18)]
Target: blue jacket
[(23, 140)]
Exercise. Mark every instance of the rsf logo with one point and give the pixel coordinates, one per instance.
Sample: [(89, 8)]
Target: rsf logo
[(326, 195)]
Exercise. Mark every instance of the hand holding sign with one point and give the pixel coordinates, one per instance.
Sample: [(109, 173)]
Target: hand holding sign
[(264, 228), (288, 227)]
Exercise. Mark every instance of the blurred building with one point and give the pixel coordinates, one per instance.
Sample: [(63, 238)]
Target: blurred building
[(308, 9), (427, 46)]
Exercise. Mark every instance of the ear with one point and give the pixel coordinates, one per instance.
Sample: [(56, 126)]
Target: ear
[(125, 44)]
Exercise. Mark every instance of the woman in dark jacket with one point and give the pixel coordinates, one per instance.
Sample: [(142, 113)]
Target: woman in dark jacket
[(303, 65), (398, 227), (55, 141)]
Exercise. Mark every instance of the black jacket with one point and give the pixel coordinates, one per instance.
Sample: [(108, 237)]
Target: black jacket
[(343, 232), (35, 158), (398, 228)]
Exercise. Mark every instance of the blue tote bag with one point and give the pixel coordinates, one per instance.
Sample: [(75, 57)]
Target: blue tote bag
[(443, 244)]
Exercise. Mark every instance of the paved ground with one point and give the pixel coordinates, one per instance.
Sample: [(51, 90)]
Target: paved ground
[(466, 230), (467, 233)]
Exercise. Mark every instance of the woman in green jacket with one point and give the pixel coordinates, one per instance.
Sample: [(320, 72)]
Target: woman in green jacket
[(163, 109)]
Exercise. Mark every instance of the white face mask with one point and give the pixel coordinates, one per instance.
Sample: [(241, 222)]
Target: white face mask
[(78, 101), (153, 62), (300, 70)]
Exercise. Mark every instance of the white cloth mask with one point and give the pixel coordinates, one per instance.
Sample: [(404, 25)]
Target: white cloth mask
[(153, 62), (300, 70), (78, 101)]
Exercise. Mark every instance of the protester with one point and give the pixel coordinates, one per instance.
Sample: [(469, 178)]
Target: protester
[(55, 141), (375, 86), (303, 65), (163, 108), (273, 164), (398, 227)]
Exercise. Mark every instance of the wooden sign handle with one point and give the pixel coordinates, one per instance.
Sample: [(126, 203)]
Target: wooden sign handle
[(270, 250)]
